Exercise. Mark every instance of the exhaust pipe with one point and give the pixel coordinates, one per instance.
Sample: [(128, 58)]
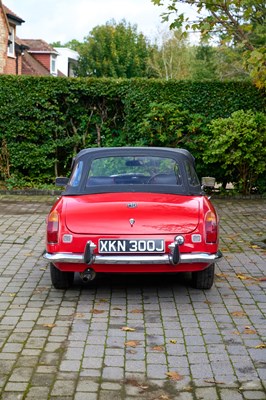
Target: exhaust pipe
[(88, 275)]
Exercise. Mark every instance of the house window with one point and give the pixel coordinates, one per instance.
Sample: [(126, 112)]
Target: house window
[(53, 65), (11, 43)]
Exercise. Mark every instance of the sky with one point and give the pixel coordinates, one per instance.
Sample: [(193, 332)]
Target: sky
[(64, 20)]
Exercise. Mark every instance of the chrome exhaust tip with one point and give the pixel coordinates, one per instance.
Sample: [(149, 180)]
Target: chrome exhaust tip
[(88, 275)]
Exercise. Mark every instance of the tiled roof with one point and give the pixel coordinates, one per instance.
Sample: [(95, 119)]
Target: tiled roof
[(60, 73), (21, 43), (11, 14), (39, 45), (30, 66)]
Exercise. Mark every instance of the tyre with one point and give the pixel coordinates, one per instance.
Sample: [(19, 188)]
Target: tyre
[(61, 280), (203, 279)]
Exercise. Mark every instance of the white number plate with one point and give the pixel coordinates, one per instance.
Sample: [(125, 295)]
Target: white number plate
[(131, 246)]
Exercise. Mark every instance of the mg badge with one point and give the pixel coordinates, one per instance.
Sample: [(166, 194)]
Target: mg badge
[(132, 205), (132, 221)]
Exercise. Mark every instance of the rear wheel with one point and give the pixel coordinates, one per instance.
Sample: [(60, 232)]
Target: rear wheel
[(61, 280), (203, 279)]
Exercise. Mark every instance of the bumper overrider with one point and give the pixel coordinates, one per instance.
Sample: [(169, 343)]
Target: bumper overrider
[(173, 257)]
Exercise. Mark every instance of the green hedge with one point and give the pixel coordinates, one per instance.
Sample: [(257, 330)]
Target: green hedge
[(45, 121)]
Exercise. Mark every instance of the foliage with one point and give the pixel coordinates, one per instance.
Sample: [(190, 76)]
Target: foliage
[(45, 121), (163, 125), (56, 44), (237, 23), (210, 99), (239, 145), (166, 124), (229, 64), (171, 58), (114, 50), (205, 63), (4, 161), (112, 46), (174, 58)]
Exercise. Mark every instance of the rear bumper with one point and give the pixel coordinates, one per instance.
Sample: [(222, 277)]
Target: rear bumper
[(169, 258)]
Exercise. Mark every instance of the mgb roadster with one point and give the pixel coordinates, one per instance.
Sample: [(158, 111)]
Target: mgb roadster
[(132, 210)]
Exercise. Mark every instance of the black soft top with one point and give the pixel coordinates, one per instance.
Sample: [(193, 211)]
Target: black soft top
[(182, 156), (101, 151)]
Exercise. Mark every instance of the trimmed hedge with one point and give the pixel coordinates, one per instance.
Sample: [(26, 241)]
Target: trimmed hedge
[(45, 121)]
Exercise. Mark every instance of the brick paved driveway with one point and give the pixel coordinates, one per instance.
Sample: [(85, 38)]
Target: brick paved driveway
[(70, 345)]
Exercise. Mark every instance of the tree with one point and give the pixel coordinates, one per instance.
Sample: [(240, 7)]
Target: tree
[(73, 44), (212, 63), (229, 64), (204, 66), (239, 23), (114, 50), (171, 59), (57, 44)]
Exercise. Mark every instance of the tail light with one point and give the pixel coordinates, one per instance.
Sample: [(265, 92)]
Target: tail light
[(211, 227), (53, 227)]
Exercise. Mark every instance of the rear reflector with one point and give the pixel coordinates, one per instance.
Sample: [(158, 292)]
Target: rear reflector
[(67, 238), (196, 238)]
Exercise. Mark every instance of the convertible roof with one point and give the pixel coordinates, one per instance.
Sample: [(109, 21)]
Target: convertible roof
[(137, 150), (88, 155)]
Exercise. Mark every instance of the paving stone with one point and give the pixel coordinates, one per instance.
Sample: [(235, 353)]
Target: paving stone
[(92, 362), (53, 346), (63, 388), (87, 385), (207, 394), (156, 358), (110, 386), (114, 361), (87, 396), (155, 371), (69, 366), (201, 371), (94, 351), (251, 385), (135, 366), (106, 395), (113, 373), (254, 395), (92, 373), (37, 392), (22, 374), (15, 387), (230, 394), (184, 396)]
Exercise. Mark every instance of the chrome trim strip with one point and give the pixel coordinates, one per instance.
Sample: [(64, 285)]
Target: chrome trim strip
[(128, 259)]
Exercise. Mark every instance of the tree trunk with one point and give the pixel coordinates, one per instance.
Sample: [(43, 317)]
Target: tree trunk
[(98, 129)]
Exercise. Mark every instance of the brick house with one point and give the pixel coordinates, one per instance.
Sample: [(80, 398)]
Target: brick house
[(23, 57), (30, 56), (10, 49), (41, 58)]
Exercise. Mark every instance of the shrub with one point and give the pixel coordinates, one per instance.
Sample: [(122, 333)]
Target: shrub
[(238, 147), (45, 121)]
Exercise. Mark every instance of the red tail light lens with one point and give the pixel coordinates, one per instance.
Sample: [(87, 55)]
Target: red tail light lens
[(211, 227), (53, 227)]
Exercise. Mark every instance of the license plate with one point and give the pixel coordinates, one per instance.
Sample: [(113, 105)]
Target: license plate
[(131, 246)]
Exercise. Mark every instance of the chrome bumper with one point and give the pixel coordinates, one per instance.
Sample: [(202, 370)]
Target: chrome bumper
[(169, 258)]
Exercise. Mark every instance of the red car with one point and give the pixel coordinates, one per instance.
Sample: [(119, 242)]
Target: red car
[(132, 210)]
